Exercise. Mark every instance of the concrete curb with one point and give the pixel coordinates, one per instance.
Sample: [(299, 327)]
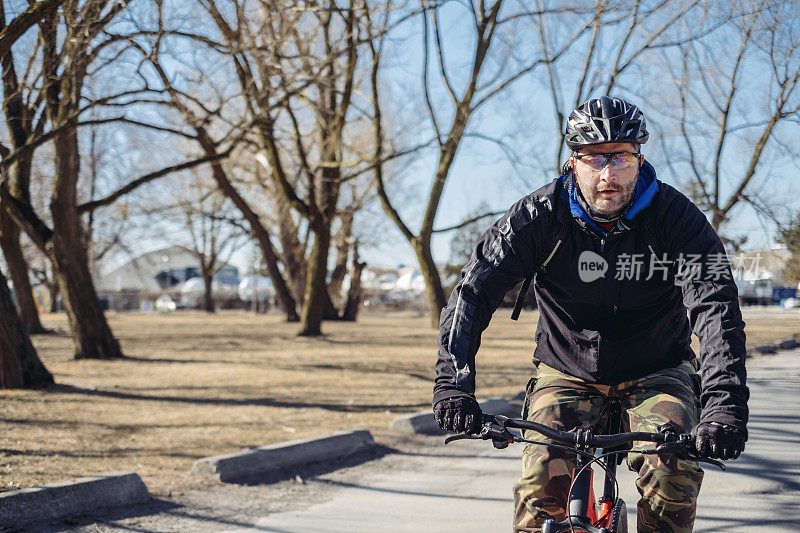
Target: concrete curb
[(767, 349), (788, 344), (57, 501), (423, 422), (274, 457)]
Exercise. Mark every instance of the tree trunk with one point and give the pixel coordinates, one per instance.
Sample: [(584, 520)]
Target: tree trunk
[(317, 298), (208, 294), (52, 289), (19, 188), (316, 289), (293, 256), (331, 312), (92, 336), (20, 366), (353, 302), (284, 294), (433, 283), (342, 254), (18, 270)]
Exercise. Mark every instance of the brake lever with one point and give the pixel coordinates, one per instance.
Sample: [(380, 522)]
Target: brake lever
[(708, 460), (462, 436), (501, 437), (680, 449)]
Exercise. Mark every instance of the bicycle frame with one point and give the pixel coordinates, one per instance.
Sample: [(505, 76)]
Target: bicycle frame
[(582, 506), (583, 511)]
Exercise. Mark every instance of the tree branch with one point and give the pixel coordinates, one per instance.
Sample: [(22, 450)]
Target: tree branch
[(469, 221), (22, 22), (89, 206), (425, 87)]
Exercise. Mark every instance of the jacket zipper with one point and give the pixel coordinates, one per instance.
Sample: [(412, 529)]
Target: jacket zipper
[(599, 339), (602, 252), (619, 285)]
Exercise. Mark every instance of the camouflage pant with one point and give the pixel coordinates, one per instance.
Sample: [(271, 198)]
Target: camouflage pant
[(668, 486)]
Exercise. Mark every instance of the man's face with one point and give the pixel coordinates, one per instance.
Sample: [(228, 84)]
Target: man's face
[(610, 189)]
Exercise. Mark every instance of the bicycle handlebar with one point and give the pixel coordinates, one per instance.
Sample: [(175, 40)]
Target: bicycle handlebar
[(495, 427), (579, 438)]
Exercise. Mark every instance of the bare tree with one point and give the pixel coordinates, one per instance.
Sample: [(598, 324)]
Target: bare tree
[(297, 70), (331, 76), (187, 107), (43, 274), (790, 237), (19, 116), (737, 91), (212, 238), (20, 366), (354, 296), (348, 263), (296, 66), (71, 41), (457, 107)]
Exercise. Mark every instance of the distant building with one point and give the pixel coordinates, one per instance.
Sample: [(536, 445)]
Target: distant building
[(759, 265), (145, 277), (759, 276)]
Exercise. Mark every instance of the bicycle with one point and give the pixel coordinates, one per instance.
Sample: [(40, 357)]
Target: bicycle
[(584, 514)]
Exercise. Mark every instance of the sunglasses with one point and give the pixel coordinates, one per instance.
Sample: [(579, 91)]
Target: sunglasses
[(618, 160)]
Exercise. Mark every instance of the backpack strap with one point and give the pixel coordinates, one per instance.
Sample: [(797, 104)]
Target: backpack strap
[(651, 236), (523, 291), (555, 236)]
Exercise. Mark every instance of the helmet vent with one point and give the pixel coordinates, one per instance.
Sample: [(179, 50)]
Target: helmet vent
[(605, 120)]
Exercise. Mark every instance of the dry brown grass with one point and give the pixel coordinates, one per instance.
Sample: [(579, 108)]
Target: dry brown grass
[(195, 385)]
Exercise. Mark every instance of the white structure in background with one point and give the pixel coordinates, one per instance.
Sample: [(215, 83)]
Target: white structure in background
[(410, 280), (142, 273), (757, 273), (374, 280), (403, 279), (223, 288), (260, 286), (404, 287), (166, 304), (139, 282)]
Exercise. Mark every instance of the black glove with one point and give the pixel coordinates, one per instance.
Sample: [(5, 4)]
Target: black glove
[(719, 441), (459, 414)]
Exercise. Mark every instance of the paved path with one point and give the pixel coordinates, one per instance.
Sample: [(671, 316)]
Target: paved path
[(437, 491), (440, 493), (762, 490)]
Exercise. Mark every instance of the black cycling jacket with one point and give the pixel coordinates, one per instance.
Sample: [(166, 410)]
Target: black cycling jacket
[(632, 319)]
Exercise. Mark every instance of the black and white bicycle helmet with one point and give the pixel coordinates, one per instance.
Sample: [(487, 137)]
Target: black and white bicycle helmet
[(605, 120)]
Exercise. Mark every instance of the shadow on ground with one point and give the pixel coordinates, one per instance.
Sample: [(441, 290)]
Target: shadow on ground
[(264, 402), (316, 469)]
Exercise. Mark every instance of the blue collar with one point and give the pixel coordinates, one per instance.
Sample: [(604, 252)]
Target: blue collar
[(646, 188)]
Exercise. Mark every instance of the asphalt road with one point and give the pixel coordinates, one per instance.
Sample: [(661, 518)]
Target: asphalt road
[(469, 490), (466, 487)]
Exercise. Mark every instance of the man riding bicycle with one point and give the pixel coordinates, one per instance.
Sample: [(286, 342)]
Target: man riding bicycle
[(624, 269)]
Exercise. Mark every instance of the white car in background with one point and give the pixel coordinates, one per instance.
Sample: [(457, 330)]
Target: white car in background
[(166, 303)]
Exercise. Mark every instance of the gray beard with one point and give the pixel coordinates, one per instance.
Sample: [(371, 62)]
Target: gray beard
[(601, 217)]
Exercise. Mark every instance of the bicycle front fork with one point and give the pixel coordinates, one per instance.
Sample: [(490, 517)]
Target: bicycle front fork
[(581, 511), (550, 526)]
